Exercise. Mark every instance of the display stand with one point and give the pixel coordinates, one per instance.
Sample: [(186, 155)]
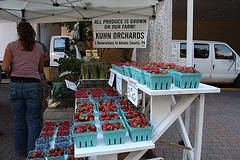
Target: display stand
[(164, 111)]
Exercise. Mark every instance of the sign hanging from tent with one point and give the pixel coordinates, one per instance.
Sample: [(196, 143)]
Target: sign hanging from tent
[(120, 32)]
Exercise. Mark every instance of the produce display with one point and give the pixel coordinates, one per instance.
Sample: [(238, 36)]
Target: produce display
[(159, 75), (94, 70)]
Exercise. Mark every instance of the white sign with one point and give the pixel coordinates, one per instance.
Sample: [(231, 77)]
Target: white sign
[(119, 83), (71, 85), (111, 79), (120, 32), (132, 91)]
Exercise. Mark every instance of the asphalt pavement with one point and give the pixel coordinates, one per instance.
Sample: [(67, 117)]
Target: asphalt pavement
[(221, 130)]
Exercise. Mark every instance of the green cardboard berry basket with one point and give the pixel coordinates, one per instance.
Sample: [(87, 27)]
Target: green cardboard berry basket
[(90, 122), (127, 71), (133, 72), (37, 158), (187, 80), (140, 76), (125, 119), (67, 137), (158, 81), (114, 137), (110, 121), (82, 140), (140, 134)]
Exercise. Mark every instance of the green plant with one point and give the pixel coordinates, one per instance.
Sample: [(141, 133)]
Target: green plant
[(69, 64)]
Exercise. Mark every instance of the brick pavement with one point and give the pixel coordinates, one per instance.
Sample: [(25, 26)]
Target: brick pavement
[(221, 133)]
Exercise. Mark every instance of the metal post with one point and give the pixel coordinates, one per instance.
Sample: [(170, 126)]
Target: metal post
[(189, 33)]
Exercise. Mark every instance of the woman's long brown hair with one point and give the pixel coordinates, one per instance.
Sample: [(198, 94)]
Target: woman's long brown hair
[(26, 35)]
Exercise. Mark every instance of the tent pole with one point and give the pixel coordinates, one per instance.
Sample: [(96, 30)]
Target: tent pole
[(190, 53)]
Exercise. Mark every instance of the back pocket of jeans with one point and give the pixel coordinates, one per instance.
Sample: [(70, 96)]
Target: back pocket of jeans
[(12, 93), (33, 93)]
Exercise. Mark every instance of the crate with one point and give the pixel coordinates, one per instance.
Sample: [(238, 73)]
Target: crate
[(158, 81), (51, 72), (140, 76), (37, 158), (82, 140), (115, 136), (187, 80), (127, 71), (140, 134)]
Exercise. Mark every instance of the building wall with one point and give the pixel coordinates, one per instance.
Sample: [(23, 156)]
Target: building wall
[(159, 36), (228, 32)]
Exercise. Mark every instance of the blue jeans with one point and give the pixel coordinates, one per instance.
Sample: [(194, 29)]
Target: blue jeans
[(25, 98)]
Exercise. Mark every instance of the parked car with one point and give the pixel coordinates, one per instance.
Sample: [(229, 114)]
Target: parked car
[(218, 62)]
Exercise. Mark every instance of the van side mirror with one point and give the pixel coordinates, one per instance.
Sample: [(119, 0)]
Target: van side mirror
[(234, 57)]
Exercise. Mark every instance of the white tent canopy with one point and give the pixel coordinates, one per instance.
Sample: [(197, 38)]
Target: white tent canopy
[(46, 11)]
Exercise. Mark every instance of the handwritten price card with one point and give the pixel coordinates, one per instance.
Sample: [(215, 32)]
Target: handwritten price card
[(132, 91), (111, 79), (119, 83), (71, 85)]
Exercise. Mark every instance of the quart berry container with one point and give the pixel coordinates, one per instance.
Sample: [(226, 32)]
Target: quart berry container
[(87, 139), (115, 136), (158, 81), (140, 134), (140, 76), (37, 158), (127, 71), (187, 80)]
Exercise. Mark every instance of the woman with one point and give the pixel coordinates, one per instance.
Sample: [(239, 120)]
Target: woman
[(25, 91)]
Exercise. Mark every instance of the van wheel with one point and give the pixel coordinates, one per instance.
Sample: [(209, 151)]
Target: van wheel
[(237, 82)]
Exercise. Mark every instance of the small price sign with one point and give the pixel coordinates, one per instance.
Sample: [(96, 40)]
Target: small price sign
[(119, 83), (132, 91), (111, 79), (71, 85)]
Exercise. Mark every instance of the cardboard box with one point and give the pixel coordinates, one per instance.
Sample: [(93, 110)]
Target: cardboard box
[(50, 72)]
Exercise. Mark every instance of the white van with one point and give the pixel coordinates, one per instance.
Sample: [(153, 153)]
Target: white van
[(218, 62), (62, 46)]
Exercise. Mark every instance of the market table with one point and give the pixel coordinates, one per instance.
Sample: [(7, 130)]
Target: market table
[(164, 111)]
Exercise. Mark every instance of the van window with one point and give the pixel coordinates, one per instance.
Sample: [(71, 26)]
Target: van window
[(200, 50), (61, 45), (222, 52), (183, 50)]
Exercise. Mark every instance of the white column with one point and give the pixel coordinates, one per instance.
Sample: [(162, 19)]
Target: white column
[(189, 33)]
